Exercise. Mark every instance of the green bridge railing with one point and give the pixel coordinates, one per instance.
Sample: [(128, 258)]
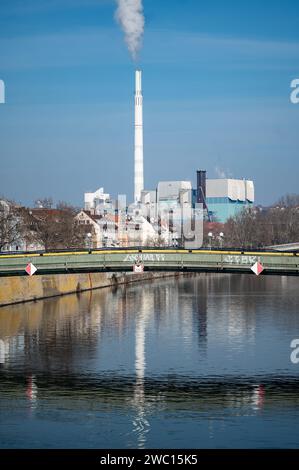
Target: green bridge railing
[(283, 263)]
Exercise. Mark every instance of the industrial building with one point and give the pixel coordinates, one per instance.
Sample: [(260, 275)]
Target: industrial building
[(226, 198), (220, 198), (172, 193), (148, 197), (95, 202)]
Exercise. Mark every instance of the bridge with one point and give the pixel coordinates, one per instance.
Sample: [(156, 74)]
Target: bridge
[(124, 260), (285, 247)]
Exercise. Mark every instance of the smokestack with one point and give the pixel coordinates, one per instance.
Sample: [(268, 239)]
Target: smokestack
[(138, 154), (201, 187)]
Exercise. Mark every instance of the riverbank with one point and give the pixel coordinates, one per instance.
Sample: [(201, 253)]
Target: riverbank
[(14, 289)]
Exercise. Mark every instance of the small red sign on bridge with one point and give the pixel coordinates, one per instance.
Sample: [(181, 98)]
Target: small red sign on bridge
[(138, 268), (257, 268), (30, 269)]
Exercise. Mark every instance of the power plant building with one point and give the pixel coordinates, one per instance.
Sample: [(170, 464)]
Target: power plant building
[(95, 201), (172, 193), (226, 198), (220, 198)]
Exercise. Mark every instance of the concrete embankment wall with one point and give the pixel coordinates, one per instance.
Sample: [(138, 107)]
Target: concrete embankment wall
[(22, 289)]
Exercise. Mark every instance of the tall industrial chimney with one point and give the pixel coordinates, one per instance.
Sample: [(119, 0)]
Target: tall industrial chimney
[(201, 187), (138, 154)]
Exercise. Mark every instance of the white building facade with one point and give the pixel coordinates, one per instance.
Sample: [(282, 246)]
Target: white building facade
[(227, 197)]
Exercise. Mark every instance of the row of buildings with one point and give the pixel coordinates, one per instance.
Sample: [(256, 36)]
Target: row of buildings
[(104, 222), (148, 222), (47, 228), (220, 198)]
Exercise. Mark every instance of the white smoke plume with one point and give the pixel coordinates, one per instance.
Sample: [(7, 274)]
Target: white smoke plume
[(129, 15), (220, 172)]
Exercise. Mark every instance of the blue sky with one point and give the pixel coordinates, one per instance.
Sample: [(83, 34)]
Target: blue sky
[(216, 79)]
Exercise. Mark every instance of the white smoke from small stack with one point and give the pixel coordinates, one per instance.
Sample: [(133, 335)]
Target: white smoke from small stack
[(129, 15)]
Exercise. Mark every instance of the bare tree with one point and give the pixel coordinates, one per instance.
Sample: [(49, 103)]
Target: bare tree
[(44, 203), (156, 241), (240, 231), (10, 224), (66, 206), (289, 200), (255, 229), (57, 229)]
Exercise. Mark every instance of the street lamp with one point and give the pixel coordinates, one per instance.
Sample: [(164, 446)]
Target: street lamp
[(221, 236), (89, 241), (105, 240), (210, 235)]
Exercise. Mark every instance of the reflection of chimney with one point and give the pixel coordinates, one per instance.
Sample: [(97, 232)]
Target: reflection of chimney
[(201, 187), (141, 424), (138, 153)]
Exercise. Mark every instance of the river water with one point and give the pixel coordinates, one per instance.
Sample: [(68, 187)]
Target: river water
[(188, 362)]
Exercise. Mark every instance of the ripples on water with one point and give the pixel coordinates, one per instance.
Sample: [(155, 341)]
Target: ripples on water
[(201, 361)]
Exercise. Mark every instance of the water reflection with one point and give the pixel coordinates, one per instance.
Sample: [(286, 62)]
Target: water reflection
[(31, 392), (194, 350), (140, 422)]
